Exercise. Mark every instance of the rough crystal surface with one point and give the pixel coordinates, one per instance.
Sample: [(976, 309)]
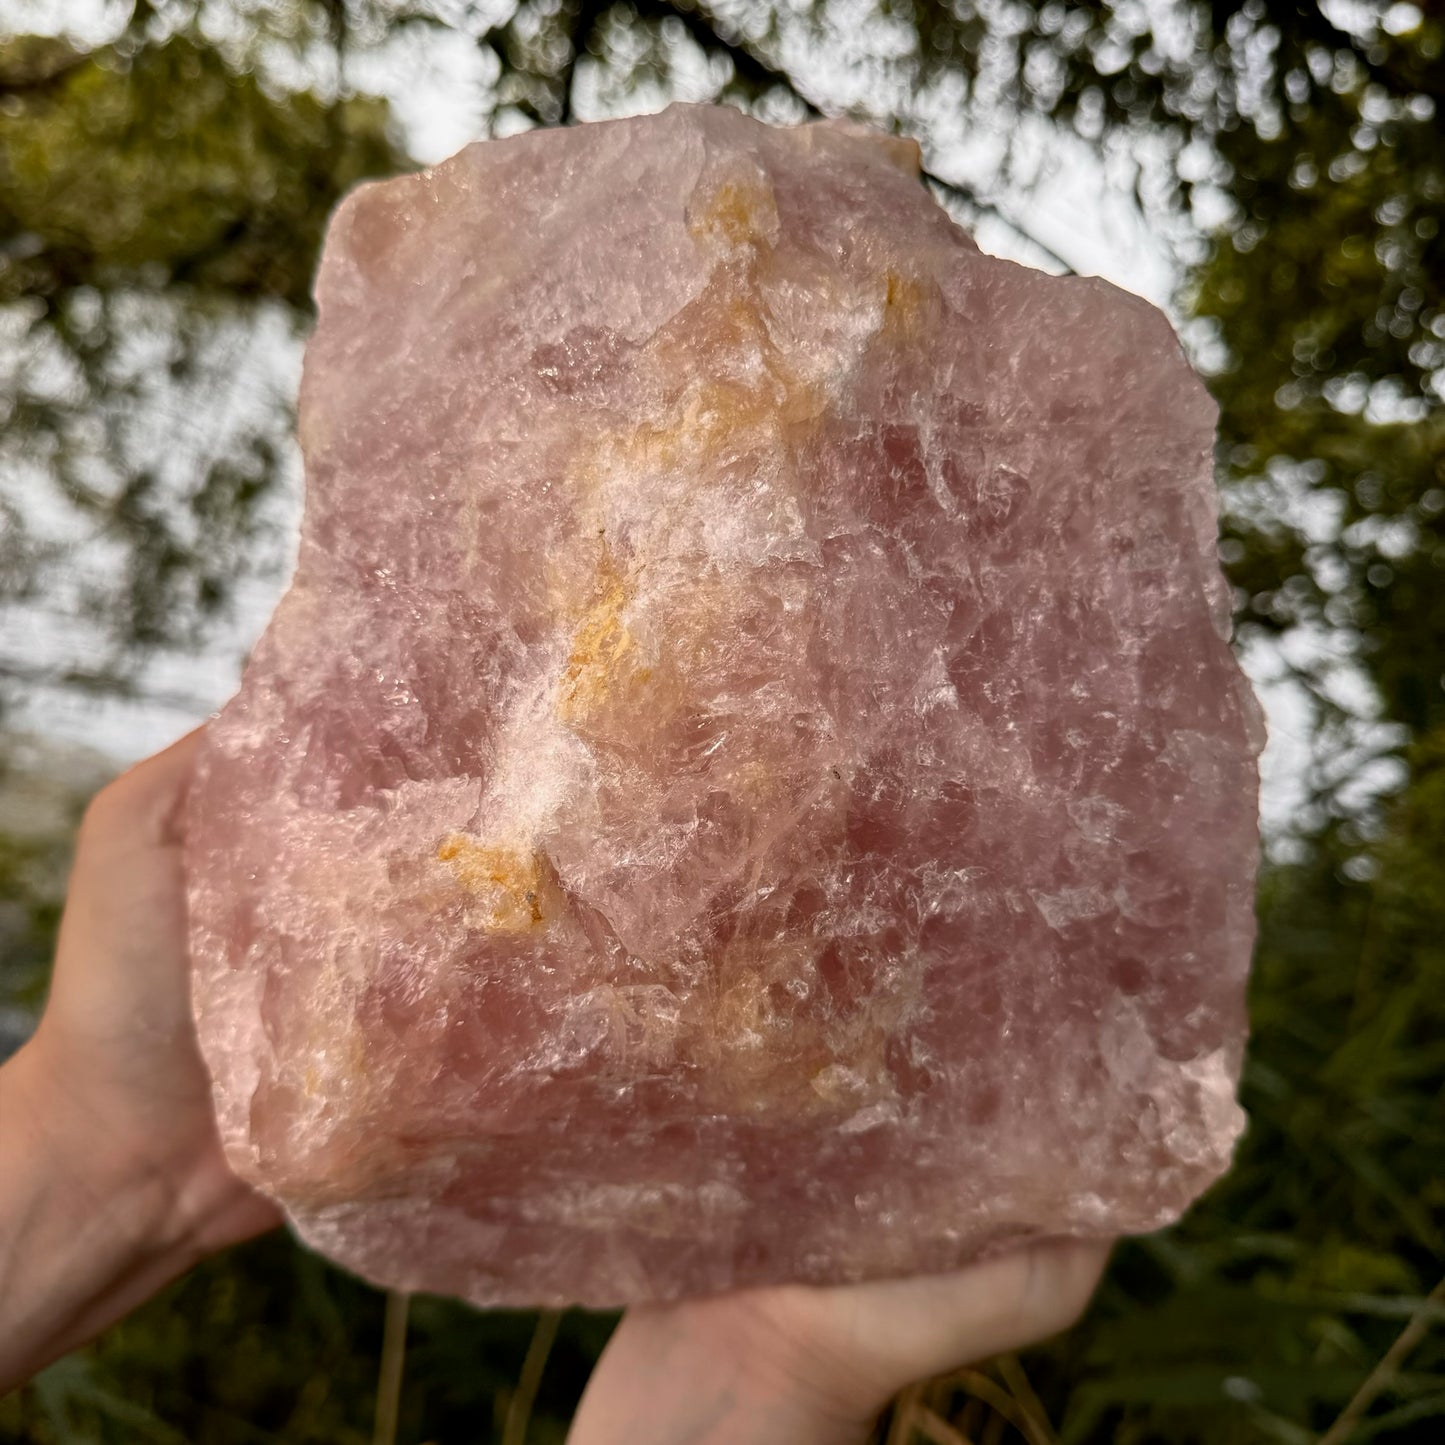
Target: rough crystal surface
[(748, 782)]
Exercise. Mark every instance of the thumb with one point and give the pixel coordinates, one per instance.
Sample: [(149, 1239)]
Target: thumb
[(121, 958), (926, 1326)]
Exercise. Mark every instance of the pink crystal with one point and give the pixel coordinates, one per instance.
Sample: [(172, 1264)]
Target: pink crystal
[(748, 782)]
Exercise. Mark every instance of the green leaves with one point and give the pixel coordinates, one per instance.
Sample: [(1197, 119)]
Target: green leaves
[(161, 215), (161, 207), (161, 166)]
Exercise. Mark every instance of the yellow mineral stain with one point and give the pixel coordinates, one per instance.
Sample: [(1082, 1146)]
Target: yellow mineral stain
[(759, 1054), (742, 395), (903, 304), (509, 880), (601, 657), (711, 415), (739, 211), (712, 423)]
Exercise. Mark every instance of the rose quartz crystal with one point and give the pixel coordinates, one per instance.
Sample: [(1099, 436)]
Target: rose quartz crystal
[(748, 782)]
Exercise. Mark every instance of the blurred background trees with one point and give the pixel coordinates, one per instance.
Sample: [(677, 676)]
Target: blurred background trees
[(166, 171)]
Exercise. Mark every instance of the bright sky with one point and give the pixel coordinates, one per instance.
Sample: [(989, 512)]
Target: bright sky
[(1080, 207)]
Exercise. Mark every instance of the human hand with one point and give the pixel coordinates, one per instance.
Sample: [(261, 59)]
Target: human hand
[(112, 1179), (806, 1366), (114, 1183)]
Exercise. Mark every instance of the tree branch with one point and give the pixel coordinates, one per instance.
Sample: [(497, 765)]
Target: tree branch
[(968, 197), (708, 34), (759, 75), (588, 14)]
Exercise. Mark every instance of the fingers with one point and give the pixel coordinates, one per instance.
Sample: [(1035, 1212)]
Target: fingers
[(122, 947), (140, 808), (950, 1320), (1059, 1280), (863, 1343)]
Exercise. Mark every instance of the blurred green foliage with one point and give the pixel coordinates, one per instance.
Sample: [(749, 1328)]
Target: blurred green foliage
[(270, 1345), (154, 200), (172, 182), (164, 162)]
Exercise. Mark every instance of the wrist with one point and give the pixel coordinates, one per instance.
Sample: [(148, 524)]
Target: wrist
[(95, 1170), (83, 1239)]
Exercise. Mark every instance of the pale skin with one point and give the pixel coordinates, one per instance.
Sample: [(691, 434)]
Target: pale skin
[(113, 1183)]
